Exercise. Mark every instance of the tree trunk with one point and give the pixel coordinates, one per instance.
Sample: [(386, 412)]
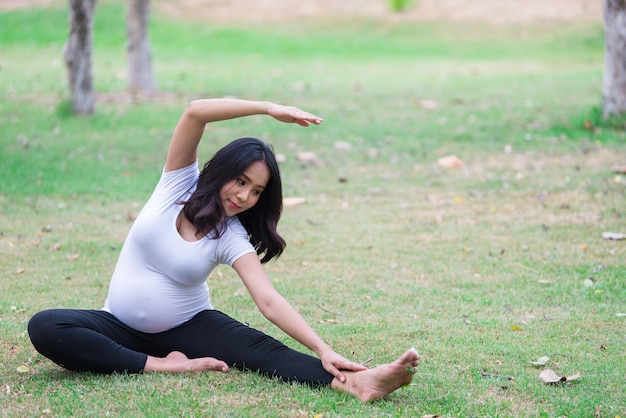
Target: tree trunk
[(140, 77), (77, 55), (614, 85)]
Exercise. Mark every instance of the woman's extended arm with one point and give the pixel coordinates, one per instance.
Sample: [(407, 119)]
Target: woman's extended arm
[(190, 127), (275, 308)]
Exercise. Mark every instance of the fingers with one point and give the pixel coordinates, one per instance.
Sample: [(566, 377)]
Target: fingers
[(290, 114), (306, 119), (341, 377), (336, 369), (337, 373), (354, 367), (313, 119), (336, 364)]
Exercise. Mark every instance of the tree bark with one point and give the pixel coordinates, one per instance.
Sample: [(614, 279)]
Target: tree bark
[(140, 76), (614, 84), (77, 55)]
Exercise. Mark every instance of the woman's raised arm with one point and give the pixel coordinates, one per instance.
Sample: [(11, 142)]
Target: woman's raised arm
[(190, 128)]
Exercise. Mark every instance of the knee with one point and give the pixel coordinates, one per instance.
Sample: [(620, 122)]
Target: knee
[(41, 328)]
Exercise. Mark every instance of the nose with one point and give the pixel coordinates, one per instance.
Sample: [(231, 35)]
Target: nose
[(243, 194)]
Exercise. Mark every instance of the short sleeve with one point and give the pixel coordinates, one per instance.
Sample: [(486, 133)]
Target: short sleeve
[(181, 179), (234, 243)]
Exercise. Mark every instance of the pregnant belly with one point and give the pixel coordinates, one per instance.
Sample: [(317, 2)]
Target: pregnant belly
[(156, 305)]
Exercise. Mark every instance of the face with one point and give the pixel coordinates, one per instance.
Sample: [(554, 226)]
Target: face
[(242, 193)]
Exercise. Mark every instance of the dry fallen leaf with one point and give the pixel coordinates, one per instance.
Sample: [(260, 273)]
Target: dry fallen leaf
[(72, 257), (23, 369), (619, 169), (451, 161), (428, 104), (548, 376), (280, 158), (613, 235), (309, 158), (20, 270), (293, 201), (343, 146), (540, 361)]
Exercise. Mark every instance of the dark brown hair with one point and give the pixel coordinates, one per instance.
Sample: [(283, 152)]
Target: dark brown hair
[(204, 208)]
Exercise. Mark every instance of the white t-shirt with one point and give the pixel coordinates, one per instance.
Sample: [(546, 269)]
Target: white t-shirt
[(160, 280)]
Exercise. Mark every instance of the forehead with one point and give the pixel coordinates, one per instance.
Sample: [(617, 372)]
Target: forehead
[(258, 173)]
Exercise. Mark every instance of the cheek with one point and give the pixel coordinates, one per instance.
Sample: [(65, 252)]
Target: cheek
[(255, 200), (226, 188)]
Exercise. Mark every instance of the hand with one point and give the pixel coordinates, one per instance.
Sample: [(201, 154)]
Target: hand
[(334, 363), (290, 114)]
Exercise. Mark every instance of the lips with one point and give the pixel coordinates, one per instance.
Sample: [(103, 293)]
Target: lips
[(233, 205)]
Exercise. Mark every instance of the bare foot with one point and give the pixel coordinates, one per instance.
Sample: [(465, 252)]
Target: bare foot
[(380, 381), (177, 362)]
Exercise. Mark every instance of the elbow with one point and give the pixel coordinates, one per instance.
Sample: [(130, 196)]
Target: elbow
[(192, 108), (268, 307)]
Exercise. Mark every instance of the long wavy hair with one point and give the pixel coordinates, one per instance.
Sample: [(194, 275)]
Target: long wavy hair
[(204, 208)]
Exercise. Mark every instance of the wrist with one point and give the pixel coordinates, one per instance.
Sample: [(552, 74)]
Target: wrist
[(267, 107), (323, 349)]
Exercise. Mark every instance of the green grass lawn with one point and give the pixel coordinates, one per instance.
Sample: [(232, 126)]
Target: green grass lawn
[(484, 268)]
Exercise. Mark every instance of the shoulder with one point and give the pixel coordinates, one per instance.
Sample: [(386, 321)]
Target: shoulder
[(181, 178), (234, 242)]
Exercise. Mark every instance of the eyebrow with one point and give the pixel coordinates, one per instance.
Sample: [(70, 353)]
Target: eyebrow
[(250, 180)]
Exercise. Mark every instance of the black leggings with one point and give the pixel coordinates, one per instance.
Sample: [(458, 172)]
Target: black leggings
[(96, 341)]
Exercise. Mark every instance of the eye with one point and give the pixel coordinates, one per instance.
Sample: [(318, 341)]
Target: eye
[(257, 192), (241, 182)]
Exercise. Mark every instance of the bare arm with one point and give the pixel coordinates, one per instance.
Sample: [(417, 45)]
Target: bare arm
[(275, 308), (190, 128)]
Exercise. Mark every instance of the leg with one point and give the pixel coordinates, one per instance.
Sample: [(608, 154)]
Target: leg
[(96, 341), (85, 340), (380, 381), (212, 334)]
